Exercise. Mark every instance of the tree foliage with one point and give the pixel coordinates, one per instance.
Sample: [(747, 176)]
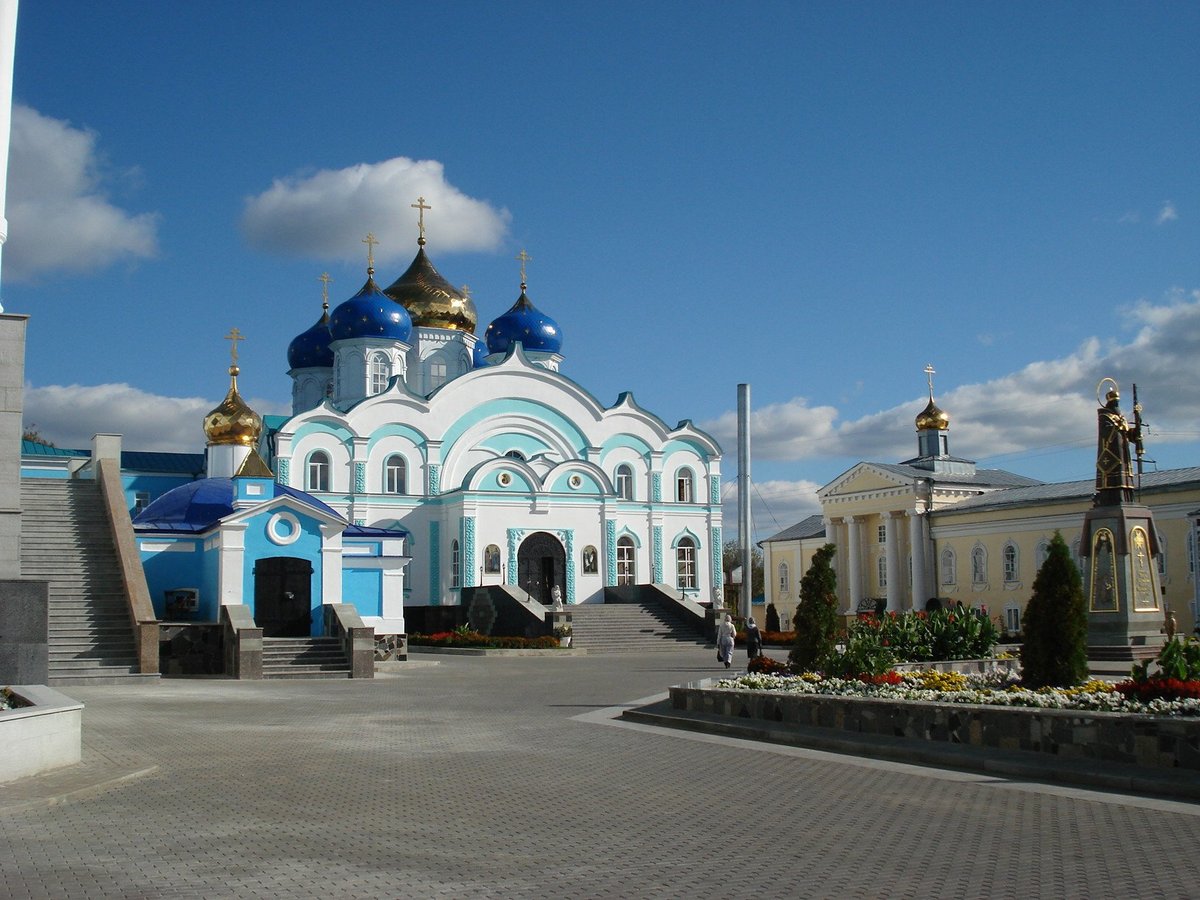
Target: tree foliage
[(1055, 624), (816, 621), (772, 618), (30, 433)]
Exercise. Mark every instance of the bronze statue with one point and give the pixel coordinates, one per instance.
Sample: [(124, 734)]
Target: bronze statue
[(1114, 471)]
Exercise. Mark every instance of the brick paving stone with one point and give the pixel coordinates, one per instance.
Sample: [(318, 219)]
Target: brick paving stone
[(490, 777)]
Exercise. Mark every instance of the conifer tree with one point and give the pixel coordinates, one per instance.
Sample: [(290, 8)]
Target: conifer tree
[(816, 616), (1054, 652)]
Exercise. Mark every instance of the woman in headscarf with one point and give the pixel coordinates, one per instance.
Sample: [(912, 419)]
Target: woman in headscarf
[(753, 639), (725, 633)]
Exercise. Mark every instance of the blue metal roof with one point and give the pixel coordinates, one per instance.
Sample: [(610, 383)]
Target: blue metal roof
[(196, 507)]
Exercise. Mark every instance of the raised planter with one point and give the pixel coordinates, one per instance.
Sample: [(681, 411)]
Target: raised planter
[(1149, 742), (963, 666), (40, 737)]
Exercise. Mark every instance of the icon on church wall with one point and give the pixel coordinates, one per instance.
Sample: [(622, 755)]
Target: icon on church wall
[(491, 560), (589, 560)]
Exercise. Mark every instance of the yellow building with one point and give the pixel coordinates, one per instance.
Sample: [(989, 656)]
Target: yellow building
[(936, 528)]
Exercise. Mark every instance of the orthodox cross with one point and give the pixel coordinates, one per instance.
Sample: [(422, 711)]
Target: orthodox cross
[(420, 207), (235, 336), (325, 279), (929, 373), (524, 258), (370, 241)]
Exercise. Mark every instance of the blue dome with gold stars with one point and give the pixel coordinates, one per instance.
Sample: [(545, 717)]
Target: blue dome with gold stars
[(310, 350), (524, 324), (479, 355), (370, 313)]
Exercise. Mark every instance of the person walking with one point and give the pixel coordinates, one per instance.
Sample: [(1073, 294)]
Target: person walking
[(725, 633), (753, 639)]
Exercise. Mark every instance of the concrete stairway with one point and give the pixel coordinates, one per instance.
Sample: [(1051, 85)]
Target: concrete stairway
[(626, 627), (319, 657), (66, 540)]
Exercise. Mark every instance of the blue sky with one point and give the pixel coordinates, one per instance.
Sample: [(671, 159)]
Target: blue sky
[(818, 199)]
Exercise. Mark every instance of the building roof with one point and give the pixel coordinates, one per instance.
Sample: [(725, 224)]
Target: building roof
[(1066, 491), (979, 478), (131, 460), (813, 526)]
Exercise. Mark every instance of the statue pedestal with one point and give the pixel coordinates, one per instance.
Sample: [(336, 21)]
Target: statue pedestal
[(1120, 583)]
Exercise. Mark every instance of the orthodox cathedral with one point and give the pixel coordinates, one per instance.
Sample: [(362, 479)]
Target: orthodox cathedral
[(422, 459)]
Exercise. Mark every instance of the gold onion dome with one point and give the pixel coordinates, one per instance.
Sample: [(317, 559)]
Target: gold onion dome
[(933, 418), (430, 299), (233, 422)]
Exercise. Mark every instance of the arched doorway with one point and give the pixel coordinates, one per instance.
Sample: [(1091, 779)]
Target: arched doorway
[(541, 564), (283, 596)]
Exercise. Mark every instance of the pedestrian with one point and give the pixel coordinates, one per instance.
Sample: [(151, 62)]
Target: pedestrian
[(725, 633), (753, 639)]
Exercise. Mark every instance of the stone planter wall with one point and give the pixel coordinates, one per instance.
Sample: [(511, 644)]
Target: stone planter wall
[(41, 737), (1153, 742), (964, 666)]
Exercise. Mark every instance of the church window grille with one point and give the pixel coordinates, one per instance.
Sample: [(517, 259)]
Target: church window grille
[(626, 561), (318, 472), (881, 567), (685, 564), (683, 486), (784, 578), (454, 565), (437, 375), (624, 482), (978, 566), (949, 569), (381, 371), (1010, 562), (881, 534), (396, 475)]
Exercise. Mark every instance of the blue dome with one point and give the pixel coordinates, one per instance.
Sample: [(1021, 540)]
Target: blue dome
[(526, 324), (370, 313), (479, 355), (310, 350), (198, 505)]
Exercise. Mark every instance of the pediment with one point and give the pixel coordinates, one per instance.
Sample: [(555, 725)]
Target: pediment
[(863, 478)]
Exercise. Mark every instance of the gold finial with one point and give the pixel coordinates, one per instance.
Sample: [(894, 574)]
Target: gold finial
[(370, 241), (929, 373), (325, 279), (234, 336), (420, 207), (524, 258)]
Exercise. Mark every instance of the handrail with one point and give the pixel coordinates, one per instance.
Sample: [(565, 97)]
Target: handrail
[(357, 640), (137, 592), (243, 642)]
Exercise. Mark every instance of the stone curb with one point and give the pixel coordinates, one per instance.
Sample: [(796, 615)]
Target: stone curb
[(64, 786), (1014, 764), (496, 651)]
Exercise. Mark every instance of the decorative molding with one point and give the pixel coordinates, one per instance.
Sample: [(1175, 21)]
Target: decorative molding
[(656, 487), (360, 478), (716, 557), (362, 522), (435, 479), (283, 465), (277, 535), (610, 552), (467, 561), (514, 535), (569, 534), (714, 490), (435, 563), (658, 554)]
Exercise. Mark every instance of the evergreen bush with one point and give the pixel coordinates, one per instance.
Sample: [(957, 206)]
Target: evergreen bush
[(772, 623), (816, 620), (1054, 650)]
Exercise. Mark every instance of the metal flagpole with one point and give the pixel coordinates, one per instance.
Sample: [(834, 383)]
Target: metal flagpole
[(747, 592)]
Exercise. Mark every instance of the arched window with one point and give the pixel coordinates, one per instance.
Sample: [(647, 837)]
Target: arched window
[(978, 566), (949, 567), (455, 563), (683, 486), (624, 479), (685, 564), (626, 561), (318, 472), (395, 475), (437, 375), (1010, 562), (881, 567), (381, 371), (515, 454), (784, 579)]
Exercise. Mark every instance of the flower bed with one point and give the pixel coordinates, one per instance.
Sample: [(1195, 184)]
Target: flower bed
[(464, 638)]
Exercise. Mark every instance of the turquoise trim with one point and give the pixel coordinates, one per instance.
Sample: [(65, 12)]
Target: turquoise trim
[(512, 406), (435, 563), (626, 441), (716, 557), (610, 552), (526, 444), (714, 490), (656, 487), (514, 535), (338, 431), (569, 534), (588, 484), (466, 563), (394, 429), (632, 535), (688, 533), (658, 554), (677, 444)]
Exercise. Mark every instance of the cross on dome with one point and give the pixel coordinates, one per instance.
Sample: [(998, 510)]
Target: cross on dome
[(420, 207), (325, 279), (524, 258), (234, 336), (370, 241)]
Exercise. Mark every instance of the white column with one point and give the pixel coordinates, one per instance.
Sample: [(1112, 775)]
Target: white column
[(916, 542), (852, 562), (231, 563), (895, 578)]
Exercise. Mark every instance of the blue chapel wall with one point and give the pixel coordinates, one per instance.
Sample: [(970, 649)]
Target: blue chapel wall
[(258, 545), (363, 589), (210, 590), (179, 567)]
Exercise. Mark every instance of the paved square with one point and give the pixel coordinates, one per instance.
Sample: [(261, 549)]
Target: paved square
[(502, 777)]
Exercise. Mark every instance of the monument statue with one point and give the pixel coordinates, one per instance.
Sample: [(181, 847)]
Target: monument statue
[(1114, 470)]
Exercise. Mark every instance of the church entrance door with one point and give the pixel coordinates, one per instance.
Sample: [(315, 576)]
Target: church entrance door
[(283, 596), (542, 564)]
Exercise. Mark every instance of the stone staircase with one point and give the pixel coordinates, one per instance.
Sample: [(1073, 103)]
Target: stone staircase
[(314, 657), (628, 627), (66, 540)]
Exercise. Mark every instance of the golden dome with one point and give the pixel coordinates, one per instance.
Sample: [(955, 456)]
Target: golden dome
[(429, 298), (933, 418), (233, 422)]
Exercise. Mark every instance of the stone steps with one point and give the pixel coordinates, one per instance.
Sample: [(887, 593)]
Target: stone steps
[(616, 627), (319, 657)]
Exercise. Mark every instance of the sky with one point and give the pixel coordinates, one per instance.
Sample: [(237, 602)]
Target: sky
[(816, 199)]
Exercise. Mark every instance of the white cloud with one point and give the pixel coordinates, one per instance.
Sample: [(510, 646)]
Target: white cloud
[(328, 213), (1167, 213), (59, 216), (69, 415), (1046, 404)]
